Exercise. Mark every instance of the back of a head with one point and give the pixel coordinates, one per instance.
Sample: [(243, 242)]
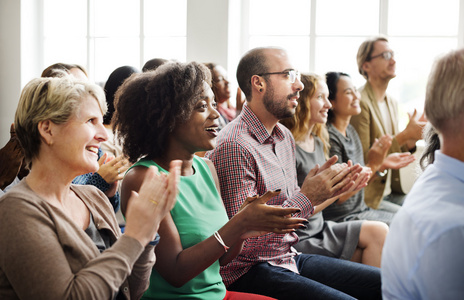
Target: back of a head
[(365, 51), (54, 99), (153, 64), (444, 100), (150, 105), (114, 81), (60, 69)]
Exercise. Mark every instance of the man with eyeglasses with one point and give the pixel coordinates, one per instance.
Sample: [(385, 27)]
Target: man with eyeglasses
[(379, 116), (255, 154)]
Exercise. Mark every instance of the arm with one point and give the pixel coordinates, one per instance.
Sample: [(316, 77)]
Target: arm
[(178, 265), (45, 263)]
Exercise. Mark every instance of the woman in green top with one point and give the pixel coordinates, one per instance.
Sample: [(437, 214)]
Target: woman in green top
[(169, 114)]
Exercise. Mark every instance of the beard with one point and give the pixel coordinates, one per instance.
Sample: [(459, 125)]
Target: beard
[(278, 108)]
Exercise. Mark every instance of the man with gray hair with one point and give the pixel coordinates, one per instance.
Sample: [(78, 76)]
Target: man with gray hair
[(422, 255)]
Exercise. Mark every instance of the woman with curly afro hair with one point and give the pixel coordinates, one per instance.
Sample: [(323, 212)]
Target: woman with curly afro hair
[(170, 114)]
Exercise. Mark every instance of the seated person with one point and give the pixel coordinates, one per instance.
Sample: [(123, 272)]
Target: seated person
[(175, 107), (12, 166), (63, 240), (422, 257), (111, 168), (359, 241), (345, 143), (254, 154), (220, 87)]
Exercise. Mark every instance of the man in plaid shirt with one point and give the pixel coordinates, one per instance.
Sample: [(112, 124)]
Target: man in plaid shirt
[(255, 154)]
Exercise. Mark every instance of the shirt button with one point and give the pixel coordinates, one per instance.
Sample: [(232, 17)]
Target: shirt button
[(125, 289)]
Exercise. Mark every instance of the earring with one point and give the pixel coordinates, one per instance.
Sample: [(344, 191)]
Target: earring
[(260, 90)]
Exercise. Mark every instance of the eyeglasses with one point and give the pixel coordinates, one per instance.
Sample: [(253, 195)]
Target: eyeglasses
[(292, 74), (387, 55)]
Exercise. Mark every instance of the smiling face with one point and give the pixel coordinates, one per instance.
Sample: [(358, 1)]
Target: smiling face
[(281, 96), (320, 104), (76, 142), (199, 132), (346, 102)]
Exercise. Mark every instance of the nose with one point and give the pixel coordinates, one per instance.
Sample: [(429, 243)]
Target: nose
[(214, 113), (298, 85), (327, 103), (101, 134)]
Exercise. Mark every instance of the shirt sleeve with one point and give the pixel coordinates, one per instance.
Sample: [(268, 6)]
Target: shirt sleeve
[(37, 267), (236, 172), (238, 178)]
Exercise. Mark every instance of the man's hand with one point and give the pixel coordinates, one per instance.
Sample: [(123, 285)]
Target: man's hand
[(329, 180)]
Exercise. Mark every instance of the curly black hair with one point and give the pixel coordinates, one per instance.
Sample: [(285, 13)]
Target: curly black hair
[(148, 106)]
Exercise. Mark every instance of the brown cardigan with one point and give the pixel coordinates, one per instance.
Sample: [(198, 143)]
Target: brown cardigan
[(45, 255), (369, 125)]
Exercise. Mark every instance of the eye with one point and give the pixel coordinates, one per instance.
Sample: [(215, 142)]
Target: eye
[(214, 104)]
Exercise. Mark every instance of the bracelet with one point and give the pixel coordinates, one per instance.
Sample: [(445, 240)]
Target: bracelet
[(155, 241), (382, 174), (219, 239)]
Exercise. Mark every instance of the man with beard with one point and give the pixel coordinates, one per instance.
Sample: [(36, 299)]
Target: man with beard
[(255, 154)]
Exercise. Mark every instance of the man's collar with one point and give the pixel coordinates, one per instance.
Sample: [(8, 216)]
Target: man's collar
[(258, 129)]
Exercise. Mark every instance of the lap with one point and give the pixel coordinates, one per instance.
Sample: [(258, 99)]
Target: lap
[(320, 278)]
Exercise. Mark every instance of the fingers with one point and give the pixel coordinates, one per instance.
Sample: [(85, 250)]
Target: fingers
[(313, 171), (331, 161), (102, 159), (413, 115), (268, 196)]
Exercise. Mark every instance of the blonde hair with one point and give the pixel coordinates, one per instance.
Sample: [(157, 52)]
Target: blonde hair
[(365, 52), (54, 99), (299, 122), (444, 98)]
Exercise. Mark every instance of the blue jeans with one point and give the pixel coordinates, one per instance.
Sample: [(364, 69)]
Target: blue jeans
[(320, 277)]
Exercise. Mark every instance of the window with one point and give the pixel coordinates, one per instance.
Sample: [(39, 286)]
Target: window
[(106, 34), (324, 35)]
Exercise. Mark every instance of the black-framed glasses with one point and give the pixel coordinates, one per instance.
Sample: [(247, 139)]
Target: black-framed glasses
[(387, 55), (292, 74)]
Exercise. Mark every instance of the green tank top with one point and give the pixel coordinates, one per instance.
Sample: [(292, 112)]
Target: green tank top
[(197, 214)]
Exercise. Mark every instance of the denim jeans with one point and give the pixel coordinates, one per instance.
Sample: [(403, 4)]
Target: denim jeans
[(320, 277)]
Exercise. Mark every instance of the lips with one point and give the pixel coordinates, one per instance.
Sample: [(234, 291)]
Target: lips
[(213, 130)]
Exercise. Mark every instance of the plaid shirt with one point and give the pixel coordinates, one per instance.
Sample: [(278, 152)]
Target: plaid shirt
[(250, 162)]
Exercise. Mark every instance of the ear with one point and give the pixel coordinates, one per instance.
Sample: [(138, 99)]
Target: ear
[(46, 131), (258, 83), (366, 66)]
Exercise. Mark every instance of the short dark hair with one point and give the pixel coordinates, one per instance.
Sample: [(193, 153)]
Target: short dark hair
[(252, 63), (150, 105), (153, 64), (112, 84)]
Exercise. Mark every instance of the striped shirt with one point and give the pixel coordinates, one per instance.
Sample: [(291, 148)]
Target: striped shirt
[(250, 162)]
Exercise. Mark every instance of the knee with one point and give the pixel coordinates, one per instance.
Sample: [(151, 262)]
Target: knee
[(374, 232)]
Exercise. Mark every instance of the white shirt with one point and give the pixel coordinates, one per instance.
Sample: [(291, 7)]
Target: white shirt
[(423, 254)]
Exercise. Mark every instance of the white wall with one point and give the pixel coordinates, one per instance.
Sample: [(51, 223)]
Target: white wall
[(10, 62)]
